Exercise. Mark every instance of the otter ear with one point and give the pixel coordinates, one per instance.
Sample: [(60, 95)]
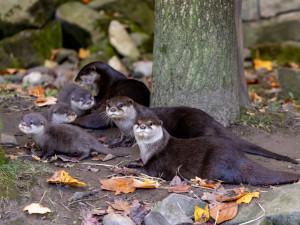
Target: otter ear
[(94, 68), (130, 101), (160, 122)]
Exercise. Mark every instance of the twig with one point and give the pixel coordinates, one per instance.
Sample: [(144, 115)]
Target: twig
[(90, 204), (217, 217), (98, 164), (180, 208), (82, 200), (53, 203), (65, 207), (257, 217), (42, 197)]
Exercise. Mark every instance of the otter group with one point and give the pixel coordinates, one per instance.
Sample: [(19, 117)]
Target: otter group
[(170, 139)]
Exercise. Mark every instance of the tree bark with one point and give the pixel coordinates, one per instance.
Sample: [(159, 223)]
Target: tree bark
[(196, 57)]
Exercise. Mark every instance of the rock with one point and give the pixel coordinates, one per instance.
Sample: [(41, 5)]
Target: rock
[(143, 41), (14, 78), (289, 80), (16, 15), (8, 140), (141, 12), (64, 54), (269, 8), (30, 47), (37, 78), (143, 67), (2, 80), (250, 10), (80, 24), (120, 39), (175, 209), (117, 219), (281, 207), (282, 28), (115, 63), (246, 53)]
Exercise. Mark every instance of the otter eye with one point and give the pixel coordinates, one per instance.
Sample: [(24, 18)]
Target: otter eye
[(150, 123), (66, 112), (120, 105), (81, 100), (31, 123)]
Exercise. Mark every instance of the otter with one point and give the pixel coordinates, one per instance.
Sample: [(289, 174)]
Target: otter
[(59, 113), (79, 99), (208, 157), (108, 83), (180, 122), (63, 138)]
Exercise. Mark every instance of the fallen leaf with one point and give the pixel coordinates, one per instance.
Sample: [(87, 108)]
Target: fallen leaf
[(274, 84), (53, 158), (36, 208), (87, 218), (176, 181), (68, 165), (201, 214), (50, 64), (248, 197), (103, 139), (98, 158), (254, 96), (262, 110), (232, 195), (38, 92), (82, 54), (108, 157), (85, 1), (44, 101), (11, 157), (98, 212), (260, 64), (89, 168), (65, 158), (206, 183), (180, 189), (62, 177), (138, 212), (224, 211), (126, 171), (145, 184), (119, 185), (121, 205), (11, 71)]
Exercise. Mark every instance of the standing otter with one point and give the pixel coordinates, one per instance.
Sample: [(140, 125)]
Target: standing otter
[(64, 138), (79, 99), (108, 83), (59, 113), (208, 157), (180, 122)]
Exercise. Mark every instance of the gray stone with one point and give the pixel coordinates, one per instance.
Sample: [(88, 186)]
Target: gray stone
[(175, 209), (279, 29), (7, 139), (246, 53), (143, 67), (20, 14), (2, 80), (289, 80), (37, 78), (97, 4), (66, 55), (281, 205), (117, 219), (120, 39), (30, 48), (250, 10), (80, 23), (14, 78), (116, 63), (269, 8)]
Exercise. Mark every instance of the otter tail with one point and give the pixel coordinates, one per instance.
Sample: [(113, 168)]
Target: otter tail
[(256, 150)]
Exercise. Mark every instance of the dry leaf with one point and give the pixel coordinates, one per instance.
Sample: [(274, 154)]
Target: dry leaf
[(254, 96), (82, 54), (179, 189), (53, 158), (224, 211), (206, 183), (232, 195), (98, 158), (98, 212), (85, 1), (103, 139), (119, 185), (36, 208), (248, 197), (11, 71), (260, 64), (145, 184), (121, 205), (201, 214), (89, 168), (138, 212), (11, 156), (274, 84), (262, 110), (38, 92), (176, 181), (108, 157), (126, 171), (43, 101), (62, 177)]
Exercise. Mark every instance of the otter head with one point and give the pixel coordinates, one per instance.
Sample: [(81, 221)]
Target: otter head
[(88, 76), (62, 113), (148, 130), (120, 107), (33, 123), (82, 99)]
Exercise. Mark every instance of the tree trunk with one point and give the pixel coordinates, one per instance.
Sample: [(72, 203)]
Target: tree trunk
[(196, 57)]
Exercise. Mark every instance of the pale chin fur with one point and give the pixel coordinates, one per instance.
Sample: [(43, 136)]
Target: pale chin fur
[(62, 118), (32, 129)]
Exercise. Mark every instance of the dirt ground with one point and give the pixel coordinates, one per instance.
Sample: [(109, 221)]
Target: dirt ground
[(284, 140)]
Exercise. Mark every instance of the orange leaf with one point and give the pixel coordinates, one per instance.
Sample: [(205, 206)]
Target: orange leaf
[(120, 204), (232, 195), (260, 64), (209, 183), (38, 92), (274, 84), (43, 101), (85, 1), (62, 177), (248, 197), (82, 54), (119, 185), (221, 212)]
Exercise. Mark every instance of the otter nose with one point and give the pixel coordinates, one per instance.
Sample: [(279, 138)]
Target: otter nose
[(73, 114), (113, 109), (142, 127)]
